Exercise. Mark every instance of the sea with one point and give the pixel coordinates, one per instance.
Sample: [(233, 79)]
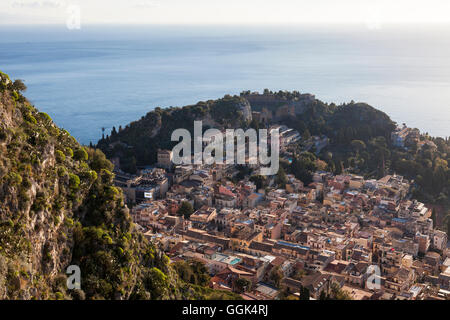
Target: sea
[(110, 75)]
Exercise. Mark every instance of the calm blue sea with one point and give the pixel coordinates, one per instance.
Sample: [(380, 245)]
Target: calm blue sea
[(111, 75)]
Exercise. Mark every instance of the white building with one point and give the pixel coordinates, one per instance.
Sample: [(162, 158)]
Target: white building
[(440, 239)]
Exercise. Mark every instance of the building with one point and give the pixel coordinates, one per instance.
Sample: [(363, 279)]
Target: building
[(165, 159), (252, 200), (440, 239), (316, 284), (444, 279), (203, 216), (424, 242)]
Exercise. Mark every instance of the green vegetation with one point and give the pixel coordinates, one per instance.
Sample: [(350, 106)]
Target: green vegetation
[(425, 162), (259, 181), (281, 178), (80, 155), (193, 272), (275, 276), (428, 166), (336, 293), (19, 86), (303, 166), (359, 141), (241, 285), (304, 294), (60, 156), (80, 218), (138, 142), (185, 210)]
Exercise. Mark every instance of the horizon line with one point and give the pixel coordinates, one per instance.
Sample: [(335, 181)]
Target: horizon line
[(256, 24)]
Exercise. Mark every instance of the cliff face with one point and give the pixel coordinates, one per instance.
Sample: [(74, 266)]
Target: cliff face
[(246, 110), (58, 207)]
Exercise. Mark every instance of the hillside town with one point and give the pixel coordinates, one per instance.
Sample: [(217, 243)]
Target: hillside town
[(368, 239)]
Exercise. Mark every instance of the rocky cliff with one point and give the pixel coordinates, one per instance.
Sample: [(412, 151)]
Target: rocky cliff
[(58, 207)]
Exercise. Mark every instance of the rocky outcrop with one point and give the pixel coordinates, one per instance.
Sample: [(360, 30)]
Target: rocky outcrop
[(59, 207), (246, 110)]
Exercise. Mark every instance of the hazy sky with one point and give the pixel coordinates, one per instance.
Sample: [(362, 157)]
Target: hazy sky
[(374, 13)]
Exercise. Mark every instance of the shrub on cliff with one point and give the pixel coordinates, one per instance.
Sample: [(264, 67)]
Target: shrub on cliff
[(80, 155)]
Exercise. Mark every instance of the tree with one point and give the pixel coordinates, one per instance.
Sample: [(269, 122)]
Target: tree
[(281, 178), (74, 181), (338, 167), (80, 155), (323, 296), (338, 294), (358, 146), (157, 282), (433, 217), (303, 167), (19, 86), (306, 135), (241, 285), (299, 274), (321, 165), (328, 156), (448, 226), (446, 222), (275, 276), (185, 210), (192, 271), (304, 293), (254, 124), (259, 181), (60, 156)]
